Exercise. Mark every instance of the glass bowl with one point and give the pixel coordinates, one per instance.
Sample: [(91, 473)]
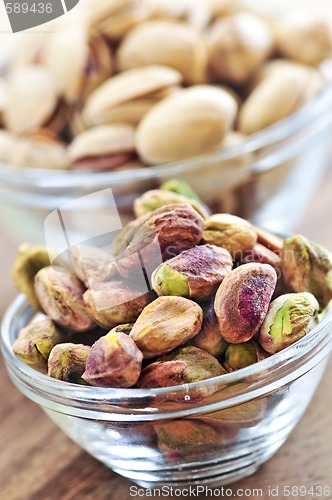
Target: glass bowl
[(269, 178), (173, 436)]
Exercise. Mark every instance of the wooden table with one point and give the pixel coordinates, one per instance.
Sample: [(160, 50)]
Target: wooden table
[(38, 462)]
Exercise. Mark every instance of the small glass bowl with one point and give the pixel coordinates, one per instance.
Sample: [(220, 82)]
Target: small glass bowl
[(269, 178), (173, 436)]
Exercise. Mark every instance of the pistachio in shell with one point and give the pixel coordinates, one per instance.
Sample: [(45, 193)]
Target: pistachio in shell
[(91, 264), (189, 123), (307, 267), (289, 318), (195, 273), (178, 46), (242, 301), (61, 297), (67, 362), (181, 187), (165, 324), (128, 96), (30, 258), (103, 148), (238, 47), (36, 341), (196, 13), (113, 361), (239, 356)]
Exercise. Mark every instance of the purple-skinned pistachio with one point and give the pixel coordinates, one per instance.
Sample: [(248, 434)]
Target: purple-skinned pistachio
[(67, 362), (114, 361)]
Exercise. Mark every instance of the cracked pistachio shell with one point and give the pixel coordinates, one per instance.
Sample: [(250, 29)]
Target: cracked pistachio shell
[(238, 46), (195, 273), (67, 362), (156, 198), (29, 260), (114, 18), (239, 356), (114, 302), (175, 45), (189, 123), (209, 337), (165, 324), (61, 296), (277, 96), (304, 37), (32, 99), (307, 267), (36, 341), (242, 301), (182, 366), (114, 361), (124, 89), (289, 318), (84, 64), (41, 149), (228, 231)]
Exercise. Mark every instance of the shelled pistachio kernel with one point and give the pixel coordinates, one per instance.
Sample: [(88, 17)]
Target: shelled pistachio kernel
[(36, 341), (195, 273), (289, 318), (113, 361), (67, 362)]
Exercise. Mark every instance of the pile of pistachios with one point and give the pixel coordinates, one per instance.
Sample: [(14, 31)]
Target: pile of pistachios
[(184, 296), (133, 83)]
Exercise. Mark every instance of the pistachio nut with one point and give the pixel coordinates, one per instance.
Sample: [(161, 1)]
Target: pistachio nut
[(84, 64), (124, 238), (196, 13), (178, 46), (277, 96), (91, 264), (289, 318), (169, 132), (114, 18), (124, 328), (166, 232), (239, 356), (32, 99), (156, 198), (242, 301), (128, 96), (181, 187), (262, 254), (36, 341), (209, 337), (61, 296), (238, 46), (182, 366), (165, 324), (304, 37), (228, 231), (30, 258), (113, 361), (307, 267), (269, 240), (115, 302), (102, 148), (186, 438), (195, 273), (40, 149), (67, 362)]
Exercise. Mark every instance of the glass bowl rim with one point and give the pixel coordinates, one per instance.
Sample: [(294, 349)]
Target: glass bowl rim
[(291, 354), (279, 131)]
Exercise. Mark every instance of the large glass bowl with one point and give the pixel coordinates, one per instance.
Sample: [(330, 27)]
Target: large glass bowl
[(173, 436), (269, 178)]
